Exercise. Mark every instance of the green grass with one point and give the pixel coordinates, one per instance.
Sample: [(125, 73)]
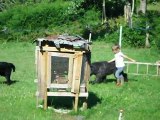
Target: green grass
[(139, 98), (154, 7)]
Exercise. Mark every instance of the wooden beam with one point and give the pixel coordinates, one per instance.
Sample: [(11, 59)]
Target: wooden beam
[(46, 48), (66, 94), (59, 86)]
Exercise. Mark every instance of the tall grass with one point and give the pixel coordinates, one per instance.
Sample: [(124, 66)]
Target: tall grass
[(139, 98)]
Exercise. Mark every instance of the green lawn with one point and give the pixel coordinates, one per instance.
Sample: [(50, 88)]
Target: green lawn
[(139, 98)]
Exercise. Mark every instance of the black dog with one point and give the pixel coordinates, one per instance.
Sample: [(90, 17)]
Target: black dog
[(102, 69), (6, 70)]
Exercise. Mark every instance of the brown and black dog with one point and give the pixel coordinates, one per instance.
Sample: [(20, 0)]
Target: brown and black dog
[(6, 71)]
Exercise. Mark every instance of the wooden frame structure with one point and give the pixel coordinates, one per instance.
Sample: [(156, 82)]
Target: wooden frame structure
[(146, 70), (63, 64)]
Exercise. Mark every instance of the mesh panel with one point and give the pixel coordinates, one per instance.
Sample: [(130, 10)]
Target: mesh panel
[(59, 69)]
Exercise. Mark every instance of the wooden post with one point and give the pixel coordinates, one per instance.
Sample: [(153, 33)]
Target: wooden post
[(86, 78), (45, 81), (137, 68), (76, 77), (147, 44), (36, 65), (147, 69), (85, 104), (127, 67), (158, 67), (76, 102)]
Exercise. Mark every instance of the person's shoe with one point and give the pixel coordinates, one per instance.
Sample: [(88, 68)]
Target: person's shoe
[(118, 84)]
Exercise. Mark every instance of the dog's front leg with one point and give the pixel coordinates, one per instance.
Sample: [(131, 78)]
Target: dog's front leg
[(99, 78), (8, 79)]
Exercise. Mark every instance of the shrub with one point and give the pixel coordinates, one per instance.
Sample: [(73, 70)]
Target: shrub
[(25, 19)]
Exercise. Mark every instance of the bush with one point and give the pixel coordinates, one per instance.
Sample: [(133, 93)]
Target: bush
[(134, 37), (24, 19)]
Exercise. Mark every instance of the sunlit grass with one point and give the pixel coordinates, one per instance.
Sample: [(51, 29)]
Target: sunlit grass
[(139, 98)]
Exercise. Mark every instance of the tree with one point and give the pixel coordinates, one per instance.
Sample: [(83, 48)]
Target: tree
[(143, 6), (143, 9), (104, 18)]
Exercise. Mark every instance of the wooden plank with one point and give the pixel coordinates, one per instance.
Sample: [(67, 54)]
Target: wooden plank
[(41, 74), (66, 94), (62, 54), (36, 80), (85, 72), (58, 86), (70, 71), (45, 80), (49, 69), (77, 72), (44, 48), (83, 87)]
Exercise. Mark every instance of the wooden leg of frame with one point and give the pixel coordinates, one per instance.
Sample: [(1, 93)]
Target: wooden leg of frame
[(76, 102), (85, 104)]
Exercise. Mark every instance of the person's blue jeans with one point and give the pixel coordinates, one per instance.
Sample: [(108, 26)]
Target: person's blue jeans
[(118, 73)]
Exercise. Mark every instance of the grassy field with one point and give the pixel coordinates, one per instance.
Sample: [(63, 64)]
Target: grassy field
[(139, 98)]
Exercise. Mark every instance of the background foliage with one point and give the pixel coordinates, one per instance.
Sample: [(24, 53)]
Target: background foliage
[(23, 20)]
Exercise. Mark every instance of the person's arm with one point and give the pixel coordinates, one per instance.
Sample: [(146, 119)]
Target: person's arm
[(112, 60), (125, 56)]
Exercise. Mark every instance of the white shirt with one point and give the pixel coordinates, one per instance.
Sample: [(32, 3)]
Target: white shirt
[(119, 60)]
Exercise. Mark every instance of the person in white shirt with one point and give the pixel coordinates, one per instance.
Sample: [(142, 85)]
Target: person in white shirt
[(119, 62)]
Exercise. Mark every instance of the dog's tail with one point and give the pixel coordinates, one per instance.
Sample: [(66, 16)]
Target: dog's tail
[(13, 67)]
